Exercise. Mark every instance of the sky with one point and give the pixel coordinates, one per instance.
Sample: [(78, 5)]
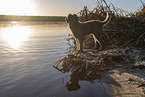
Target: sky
[(58, 7)]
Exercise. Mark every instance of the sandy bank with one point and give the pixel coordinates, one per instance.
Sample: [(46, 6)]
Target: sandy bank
[(125, 83)]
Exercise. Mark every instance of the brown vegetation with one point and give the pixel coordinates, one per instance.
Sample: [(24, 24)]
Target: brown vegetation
[(124, 30)]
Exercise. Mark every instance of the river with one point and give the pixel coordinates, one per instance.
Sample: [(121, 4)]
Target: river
[(27, 52)]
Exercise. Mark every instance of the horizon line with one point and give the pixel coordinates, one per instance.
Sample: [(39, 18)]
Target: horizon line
[(35, 15)]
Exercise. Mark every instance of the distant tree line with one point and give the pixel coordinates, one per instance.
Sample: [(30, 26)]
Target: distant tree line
[(31, 18)]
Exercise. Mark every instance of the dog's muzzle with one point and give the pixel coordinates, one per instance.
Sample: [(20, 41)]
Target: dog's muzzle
[(67, 20)]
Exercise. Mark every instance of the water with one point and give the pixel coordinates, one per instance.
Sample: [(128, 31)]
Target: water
[(26, 51)]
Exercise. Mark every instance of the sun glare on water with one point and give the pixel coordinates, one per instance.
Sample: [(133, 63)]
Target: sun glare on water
[(15, 37)]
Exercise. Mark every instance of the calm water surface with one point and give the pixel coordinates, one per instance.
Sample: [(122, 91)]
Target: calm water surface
[(26, 52)]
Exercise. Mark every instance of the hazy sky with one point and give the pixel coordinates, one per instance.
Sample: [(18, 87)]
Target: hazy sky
[(58, 7)]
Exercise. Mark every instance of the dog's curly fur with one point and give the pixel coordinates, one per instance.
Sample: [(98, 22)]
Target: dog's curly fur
[(81, 29)]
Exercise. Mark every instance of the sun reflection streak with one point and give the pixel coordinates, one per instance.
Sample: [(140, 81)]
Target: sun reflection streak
[(15, 36)]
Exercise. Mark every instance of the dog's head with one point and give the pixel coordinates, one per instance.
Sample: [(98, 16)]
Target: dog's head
[(72, 18)]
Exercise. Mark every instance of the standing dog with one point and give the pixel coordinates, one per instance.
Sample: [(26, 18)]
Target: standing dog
[(81, 29)]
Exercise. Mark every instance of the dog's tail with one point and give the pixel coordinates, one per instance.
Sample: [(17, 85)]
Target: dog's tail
[(106, 21)]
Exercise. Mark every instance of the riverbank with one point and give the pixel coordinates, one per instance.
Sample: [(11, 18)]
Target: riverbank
[(124, 76), (125, 83)]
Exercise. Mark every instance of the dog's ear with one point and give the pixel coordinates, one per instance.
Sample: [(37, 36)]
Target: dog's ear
[(76, 18), (68, 18), (70, 15)]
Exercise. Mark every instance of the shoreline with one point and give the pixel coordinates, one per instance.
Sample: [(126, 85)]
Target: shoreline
[(119, 76), (124, 82), (31, 18)]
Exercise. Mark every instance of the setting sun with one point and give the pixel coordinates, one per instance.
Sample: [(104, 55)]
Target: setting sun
[(17, 7)]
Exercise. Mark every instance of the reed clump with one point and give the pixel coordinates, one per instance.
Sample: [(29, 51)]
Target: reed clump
[(124, 30), (124, 38)]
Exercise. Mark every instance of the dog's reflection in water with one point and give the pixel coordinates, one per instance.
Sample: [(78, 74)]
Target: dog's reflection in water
[(73, 83), (75, 77)]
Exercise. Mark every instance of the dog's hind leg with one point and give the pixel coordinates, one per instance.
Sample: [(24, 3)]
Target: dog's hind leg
[(97, 38), (95, 41)]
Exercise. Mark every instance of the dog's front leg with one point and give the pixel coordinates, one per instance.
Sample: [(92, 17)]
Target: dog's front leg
[(81, 44), (77, 44)]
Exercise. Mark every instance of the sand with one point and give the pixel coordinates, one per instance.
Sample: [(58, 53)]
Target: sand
[(125, 83)]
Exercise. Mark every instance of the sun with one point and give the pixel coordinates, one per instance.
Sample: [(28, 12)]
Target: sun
[(17, 7)]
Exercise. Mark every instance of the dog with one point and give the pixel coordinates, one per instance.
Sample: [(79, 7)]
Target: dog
[(81, 29)]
